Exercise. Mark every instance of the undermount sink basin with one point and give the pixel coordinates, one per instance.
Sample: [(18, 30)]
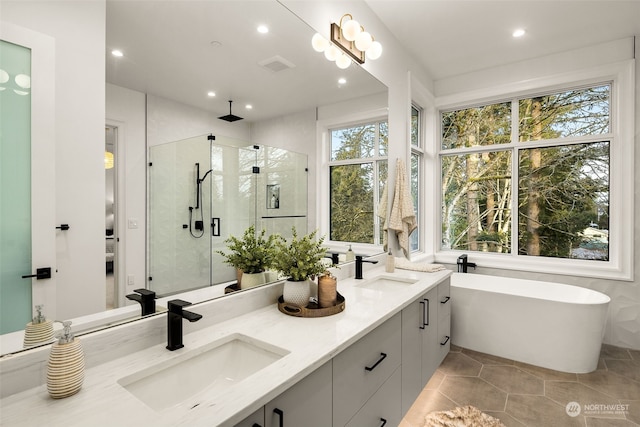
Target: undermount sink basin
[(386, 283), (213, 367)]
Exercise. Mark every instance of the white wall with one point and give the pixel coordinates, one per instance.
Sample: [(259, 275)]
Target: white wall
[(623, 327), (78, 29), (125, 109)]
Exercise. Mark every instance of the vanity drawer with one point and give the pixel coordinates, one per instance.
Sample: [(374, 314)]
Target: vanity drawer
[(384, 406), (444, 299), (361, 369), (257, 418)]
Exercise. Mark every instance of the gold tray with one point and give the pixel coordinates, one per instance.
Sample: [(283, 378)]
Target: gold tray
[(311, 310)]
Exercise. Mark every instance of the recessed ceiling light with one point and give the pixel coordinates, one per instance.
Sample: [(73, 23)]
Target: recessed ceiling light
[(117, 53), (211, 94), (518, 33), (263, 29), (249, 107), (342, 80)]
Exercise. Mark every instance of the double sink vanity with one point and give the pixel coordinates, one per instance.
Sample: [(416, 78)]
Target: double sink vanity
[(246, 363)]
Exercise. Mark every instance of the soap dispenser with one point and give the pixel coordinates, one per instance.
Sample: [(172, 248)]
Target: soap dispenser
[(350, 256), (390, 263), (65, 369), (39, 330)]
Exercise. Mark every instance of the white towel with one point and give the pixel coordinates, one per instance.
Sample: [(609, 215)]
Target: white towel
[(405, 264), (402, 218)]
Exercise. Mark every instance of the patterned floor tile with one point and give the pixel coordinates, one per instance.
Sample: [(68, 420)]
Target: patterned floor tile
[(512, 380)]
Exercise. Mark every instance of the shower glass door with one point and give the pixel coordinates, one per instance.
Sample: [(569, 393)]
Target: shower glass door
[(200, 193)]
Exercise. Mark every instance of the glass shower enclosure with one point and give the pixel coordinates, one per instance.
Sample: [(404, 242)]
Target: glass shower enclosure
[(204, 189)]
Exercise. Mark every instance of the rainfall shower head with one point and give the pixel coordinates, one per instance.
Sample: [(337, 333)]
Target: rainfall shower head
[(230, 117)]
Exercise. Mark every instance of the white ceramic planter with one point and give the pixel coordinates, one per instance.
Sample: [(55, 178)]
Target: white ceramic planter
[(249, 280), (297, 293)]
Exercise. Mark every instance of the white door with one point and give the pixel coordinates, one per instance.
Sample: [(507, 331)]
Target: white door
[(27, 183)]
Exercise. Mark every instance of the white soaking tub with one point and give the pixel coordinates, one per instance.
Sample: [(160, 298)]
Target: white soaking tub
[(546, 324)]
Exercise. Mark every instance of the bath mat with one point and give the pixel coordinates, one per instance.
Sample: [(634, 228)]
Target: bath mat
[(468, 416)]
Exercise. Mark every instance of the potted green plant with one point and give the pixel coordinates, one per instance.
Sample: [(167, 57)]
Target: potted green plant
[(300, 260), (252, 254)]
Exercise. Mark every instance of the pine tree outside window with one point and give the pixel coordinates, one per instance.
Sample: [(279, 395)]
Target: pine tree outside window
[(357, 173), (544, 159)]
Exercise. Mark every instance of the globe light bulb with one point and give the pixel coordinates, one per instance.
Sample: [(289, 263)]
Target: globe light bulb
[(319, 43), (363, 41), (343, 61), (351, 29), (374, 51), (331, 53)]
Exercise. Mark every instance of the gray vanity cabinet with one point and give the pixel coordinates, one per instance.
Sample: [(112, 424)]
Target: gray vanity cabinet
[(444, 319), (363, 377), (307, 403), (253, 420), (425, 330)]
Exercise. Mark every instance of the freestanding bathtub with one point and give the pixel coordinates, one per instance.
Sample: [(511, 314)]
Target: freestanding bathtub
[(551, 325)]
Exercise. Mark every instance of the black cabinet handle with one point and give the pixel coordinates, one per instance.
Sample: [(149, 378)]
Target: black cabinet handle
[(383, 422), (63, 227), (425, 317), (280, 415), (445, 300), (382, 357), (445, 341), (422, 304)]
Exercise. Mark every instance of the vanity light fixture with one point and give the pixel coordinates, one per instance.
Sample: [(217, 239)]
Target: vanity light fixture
[(349, 41)]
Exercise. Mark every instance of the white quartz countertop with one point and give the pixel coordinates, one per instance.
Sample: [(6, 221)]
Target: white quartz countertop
[(310, 342)]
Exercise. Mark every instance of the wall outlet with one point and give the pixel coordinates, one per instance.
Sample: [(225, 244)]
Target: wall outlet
[(133, 223), (131, 279)]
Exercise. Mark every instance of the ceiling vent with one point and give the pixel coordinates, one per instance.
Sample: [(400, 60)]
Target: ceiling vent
[(276, 64)]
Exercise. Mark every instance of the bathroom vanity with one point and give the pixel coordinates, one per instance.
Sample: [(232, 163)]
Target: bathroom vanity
[(363, 366)]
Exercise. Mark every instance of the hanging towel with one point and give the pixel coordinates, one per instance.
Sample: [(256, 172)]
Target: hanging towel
[(402, 218)]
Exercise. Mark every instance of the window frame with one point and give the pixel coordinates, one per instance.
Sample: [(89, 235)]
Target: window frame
[(621, 137), (324, 153), (418, 150)]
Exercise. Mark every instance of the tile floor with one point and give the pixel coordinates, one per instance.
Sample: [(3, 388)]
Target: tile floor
[(524, 395)]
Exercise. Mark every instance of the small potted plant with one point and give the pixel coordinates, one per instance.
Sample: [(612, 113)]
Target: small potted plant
[(252, 255), (299, 260)]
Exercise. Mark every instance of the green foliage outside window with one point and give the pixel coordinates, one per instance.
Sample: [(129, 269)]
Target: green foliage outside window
[(563, 176), (358, 174)]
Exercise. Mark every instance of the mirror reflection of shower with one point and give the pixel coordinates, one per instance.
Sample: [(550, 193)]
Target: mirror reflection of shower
[(203, 190)]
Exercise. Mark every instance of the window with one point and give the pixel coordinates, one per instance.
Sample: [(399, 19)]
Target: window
[(545, 159), (416, 171), (357, 174)]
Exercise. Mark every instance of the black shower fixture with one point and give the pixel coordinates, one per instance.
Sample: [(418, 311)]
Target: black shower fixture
[(230, 117)]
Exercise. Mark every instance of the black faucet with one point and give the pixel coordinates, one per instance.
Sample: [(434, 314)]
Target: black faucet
[(174, 322), (147, 300), (463, 263), (335, 260), (359, 262)]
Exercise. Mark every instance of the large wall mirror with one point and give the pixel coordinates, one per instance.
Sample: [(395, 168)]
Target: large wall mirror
[(178, 51)]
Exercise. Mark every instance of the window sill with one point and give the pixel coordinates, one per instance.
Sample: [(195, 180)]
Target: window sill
[(566, 267)]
